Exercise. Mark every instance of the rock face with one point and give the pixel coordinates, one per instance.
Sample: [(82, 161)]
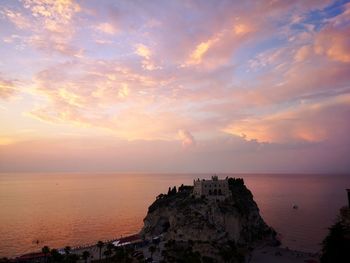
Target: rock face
[(180, 217)]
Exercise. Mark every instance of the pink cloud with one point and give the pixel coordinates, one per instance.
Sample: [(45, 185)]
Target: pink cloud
[(7, 88), (311, 122), (222, 70), (106, 28), (19, 20), (50, 24), (186, 138)]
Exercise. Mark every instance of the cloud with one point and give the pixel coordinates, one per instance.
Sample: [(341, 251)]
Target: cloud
[(229, 154), (50, 24), (107, 28), (222, 70), (303, 53), (56, 14), (7, 88), (16, 18), (332, 40), (54, 45), (117, 94), (241, 29), (143, 51), (334, 43), (146, 53), (200, 51), (312, 122), (186, 138), (106, 95)]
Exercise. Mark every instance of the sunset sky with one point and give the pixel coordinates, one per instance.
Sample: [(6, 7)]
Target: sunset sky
[(175, 86)]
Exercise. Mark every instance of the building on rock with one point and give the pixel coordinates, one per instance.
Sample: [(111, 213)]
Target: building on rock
[(215, 188)]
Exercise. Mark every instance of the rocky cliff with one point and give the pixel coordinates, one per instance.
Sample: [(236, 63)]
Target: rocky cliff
[(179, 216)]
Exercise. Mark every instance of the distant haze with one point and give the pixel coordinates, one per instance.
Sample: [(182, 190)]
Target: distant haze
[(175, 86), (229, 154)]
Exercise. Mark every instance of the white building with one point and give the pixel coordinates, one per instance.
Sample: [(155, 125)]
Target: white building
[(214, 188)]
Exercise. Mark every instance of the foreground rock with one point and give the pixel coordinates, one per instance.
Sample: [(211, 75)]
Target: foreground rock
[(207, 229), (336, 245)]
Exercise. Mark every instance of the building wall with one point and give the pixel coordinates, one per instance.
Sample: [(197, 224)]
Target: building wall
[(211, 188)]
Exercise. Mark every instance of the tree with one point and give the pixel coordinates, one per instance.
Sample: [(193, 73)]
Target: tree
[(56, 256), (110, 246), (72, 258), (226, 254), (45, 250), (152, 249), (107, 253), (336, 246), (100, 245), (181, 188), (109, 250), (119, 254), (67, 250), (85, 255), (206, 259), (160, 196)]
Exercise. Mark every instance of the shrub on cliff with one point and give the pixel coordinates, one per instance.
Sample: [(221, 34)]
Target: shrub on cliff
[(336, 246)]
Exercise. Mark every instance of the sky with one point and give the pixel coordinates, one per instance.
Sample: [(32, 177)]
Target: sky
[(175, 86)]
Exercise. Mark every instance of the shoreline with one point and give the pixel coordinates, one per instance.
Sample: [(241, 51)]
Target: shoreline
[(79, 249), (261, 254)]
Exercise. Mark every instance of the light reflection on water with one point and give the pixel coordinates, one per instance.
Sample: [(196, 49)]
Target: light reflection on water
[(73, 209)]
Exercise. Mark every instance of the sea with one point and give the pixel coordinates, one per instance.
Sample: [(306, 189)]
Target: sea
[(79, 209)]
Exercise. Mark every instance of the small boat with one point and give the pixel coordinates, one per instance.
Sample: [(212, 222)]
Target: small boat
[(295, 207)]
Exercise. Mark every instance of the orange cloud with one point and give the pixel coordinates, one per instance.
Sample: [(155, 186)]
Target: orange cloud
[(143, 51), (241, 29), (60, 11), (303, 53), (200, 51), (146, 53), (335, 45), (217, 50), (333, 41)]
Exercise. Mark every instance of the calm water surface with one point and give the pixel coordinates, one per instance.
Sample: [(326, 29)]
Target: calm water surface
[(73, 209)]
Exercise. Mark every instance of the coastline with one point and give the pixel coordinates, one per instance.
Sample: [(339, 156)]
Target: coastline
[(78, 250), (262, 254)]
